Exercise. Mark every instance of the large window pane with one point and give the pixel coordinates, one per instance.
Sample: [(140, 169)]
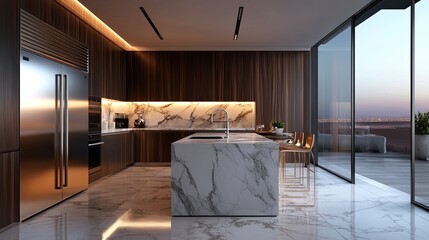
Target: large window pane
[(422, 100), (334, 105), (382, 70)]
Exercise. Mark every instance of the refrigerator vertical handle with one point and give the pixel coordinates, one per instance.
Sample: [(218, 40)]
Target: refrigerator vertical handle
[(58, 132), (66, 132)]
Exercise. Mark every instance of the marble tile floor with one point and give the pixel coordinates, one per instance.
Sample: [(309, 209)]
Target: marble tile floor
[(135, 204)]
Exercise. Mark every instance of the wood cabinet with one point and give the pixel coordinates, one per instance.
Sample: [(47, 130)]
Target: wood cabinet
[(155, 146), (152, 76), (9, 76), (106, 60), (128, 149), (106, 68), (9, 188), (116, 152), (9, 112)]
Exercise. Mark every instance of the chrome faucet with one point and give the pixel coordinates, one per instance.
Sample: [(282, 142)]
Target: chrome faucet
[(226, 120)]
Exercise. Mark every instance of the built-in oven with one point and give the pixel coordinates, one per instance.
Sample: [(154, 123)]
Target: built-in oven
[(94, 135)]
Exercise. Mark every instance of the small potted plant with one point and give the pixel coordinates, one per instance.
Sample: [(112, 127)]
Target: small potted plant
[(422, 135), (278, 126)]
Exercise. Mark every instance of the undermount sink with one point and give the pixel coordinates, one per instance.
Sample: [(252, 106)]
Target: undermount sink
[(207, 137)]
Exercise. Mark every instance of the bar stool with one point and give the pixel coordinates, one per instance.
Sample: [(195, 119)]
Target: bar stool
[(300, 192), (288, 147)]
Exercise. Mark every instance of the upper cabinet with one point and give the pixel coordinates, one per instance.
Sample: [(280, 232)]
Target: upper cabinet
[(106, 60), (106, 68), (211, 75), (174, 76), (9, 76), (153, 76)]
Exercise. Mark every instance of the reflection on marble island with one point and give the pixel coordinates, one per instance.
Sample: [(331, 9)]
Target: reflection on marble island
[(181, 114), (225, 177)]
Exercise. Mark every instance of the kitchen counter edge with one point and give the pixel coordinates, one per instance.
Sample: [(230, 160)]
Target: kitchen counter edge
[(127, 130)]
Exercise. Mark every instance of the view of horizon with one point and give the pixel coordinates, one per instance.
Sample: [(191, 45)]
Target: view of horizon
[(369, 119), (382, 72)]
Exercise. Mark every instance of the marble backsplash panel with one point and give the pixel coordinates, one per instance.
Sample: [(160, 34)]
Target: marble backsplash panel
[(181, 114)]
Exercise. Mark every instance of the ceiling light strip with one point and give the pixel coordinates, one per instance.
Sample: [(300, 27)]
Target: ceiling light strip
[(151, 23), (237, 25), (87, 16)]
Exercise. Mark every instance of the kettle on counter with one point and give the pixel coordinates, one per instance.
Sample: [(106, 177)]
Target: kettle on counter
[(139, 122)]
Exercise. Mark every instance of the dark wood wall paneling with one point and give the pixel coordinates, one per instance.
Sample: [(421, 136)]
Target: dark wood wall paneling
[(276, 81), (9, 112), (9, 76), (9, 188), (107, 74)]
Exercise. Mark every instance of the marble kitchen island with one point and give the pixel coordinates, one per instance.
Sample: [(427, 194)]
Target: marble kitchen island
[(225, 177)]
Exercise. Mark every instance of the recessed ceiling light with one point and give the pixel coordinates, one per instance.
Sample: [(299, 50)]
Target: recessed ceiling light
[(237, 25), (151, 23)]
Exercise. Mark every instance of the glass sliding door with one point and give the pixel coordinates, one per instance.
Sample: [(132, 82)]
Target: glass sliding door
[(335, 103), (421, 163), (382, 90), (373, 97)]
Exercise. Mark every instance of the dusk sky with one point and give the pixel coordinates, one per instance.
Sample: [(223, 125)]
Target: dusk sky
[(383, 63)]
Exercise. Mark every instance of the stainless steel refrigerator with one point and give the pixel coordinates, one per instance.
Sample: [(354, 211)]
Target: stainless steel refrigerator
[(54, 133)]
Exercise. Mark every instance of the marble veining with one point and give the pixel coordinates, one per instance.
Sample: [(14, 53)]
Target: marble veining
[(135, 204), (229, 177), (194, 115), (208, 130), (234, 138)]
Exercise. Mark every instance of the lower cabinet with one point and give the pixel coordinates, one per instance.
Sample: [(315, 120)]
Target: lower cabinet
[(9, 188), (116, 152), (155, 146)]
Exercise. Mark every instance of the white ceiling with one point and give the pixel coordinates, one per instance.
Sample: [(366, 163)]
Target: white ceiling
[(210, 24)]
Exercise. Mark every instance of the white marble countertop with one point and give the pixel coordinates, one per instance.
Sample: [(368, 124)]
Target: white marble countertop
[(234, 138), (122, 130)]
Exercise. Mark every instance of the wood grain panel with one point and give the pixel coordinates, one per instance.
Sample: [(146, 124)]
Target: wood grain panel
[(110, 152), (106, 60), (128, 146), (162, 67), (197, 76), (151, 146), (9, 76), (116, 153), (276, 81), (9, 188)]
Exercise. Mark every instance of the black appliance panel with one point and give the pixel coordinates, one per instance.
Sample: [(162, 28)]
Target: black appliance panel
[(94, 118)]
